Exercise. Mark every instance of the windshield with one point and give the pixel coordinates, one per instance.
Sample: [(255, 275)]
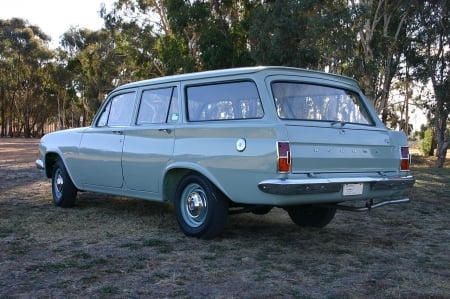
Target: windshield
[(302, 101)]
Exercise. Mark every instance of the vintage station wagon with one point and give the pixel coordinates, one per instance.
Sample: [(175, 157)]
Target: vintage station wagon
[(238, 140)]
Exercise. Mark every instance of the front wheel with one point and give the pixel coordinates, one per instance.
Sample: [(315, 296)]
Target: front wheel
[(311, 216), (200, 208), (63, 190)]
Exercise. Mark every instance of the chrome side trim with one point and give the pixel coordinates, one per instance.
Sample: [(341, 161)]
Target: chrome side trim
[(329, 185)]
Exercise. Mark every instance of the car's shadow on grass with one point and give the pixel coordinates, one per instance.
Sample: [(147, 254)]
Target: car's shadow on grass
[(246, 227)]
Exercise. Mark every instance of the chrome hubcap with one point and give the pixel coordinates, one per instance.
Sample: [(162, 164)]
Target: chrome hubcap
[(59, 184), (195, 205)]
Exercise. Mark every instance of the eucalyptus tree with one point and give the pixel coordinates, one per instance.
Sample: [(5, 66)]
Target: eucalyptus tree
[(92, 59), (178, 36), (202, 35), (25, 58), (222, 33), (140, 30), (380, 28), (308, 34), (283, 33), (430, 54)]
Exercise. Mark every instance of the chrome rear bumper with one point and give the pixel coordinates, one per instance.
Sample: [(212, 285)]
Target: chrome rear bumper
[(330, 185)]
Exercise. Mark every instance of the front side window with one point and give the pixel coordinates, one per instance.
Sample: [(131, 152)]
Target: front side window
[(302, 101), (154, 106), (223, 101), (118, 111)]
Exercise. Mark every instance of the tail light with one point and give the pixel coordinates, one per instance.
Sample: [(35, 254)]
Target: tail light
[(284, 157), (405, 158)]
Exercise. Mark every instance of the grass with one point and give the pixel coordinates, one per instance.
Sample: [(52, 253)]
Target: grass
[(116, 247)]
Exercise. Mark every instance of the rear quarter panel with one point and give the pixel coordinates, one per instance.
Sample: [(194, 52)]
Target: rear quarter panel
[(210, 148)]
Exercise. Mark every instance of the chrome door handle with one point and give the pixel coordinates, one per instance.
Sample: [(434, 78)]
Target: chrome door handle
[(168, 131)]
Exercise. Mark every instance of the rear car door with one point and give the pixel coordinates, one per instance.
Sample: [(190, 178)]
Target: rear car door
[(149, 142)]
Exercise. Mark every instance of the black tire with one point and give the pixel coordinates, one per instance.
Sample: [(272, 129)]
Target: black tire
[(311, 216), (63, 190), (200, 208)]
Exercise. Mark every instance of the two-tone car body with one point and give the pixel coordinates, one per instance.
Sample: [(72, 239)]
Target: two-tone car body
[(245, 139)]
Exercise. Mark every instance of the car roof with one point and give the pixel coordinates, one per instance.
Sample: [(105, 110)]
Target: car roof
[(270, 70)]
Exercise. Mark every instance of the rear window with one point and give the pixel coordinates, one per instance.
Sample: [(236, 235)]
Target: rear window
[(301, 101), (223, 101)]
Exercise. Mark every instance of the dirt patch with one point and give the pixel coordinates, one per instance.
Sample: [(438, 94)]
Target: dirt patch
[(118, 247)]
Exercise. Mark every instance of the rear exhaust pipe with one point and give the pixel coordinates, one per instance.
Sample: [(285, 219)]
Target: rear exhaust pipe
[(370, 204)]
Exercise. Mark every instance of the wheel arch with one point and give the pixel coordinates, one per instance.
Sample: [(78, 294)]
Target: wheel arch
[(174, 175), (50, 160)]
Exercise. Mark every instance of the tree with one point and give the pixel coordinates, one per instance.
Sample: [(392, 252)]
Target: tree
[(430, 29), (24, 60), (283, 33), (95, 66), (308, 34), (381, 40), (213, 31)]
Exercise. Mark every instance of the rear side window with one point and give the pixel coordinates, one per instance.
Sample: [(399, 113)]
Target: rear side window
[(155, 104), (223, 101), (300, 101)]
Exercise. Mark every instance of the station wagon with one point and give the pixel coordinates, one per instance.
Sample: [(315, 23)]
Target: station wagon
[(229, 141)]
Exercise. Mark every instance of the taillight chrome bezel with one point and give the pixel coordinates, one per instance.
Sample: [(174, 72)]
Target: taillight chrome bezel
[(284, 159)]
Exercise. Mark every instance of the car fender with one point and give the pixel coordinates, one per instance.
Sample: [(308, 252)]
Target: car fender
[(63, 145), (175, 171)]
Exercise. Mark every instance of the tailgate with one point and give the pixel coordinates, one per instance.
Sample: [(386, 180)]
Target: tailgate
[(321, 150)]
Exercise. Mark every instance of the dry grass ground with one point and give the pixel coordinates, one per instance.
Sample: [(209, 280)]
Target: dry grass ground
[(115, 247)]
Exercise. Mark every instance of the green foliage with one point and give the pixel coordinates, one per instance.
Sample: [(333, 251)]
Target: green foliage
[(215, 48), (280, 34), (426, 143), (174, 55)]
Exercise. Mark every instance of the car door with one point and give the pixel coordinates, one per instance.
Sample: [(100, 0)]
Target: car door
[(149, 143), (101, 145)]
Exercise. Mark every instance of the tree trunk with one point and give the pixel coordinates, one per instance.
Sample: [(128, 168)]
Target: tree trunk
[(3, 115), (441, 153), (441, 143)]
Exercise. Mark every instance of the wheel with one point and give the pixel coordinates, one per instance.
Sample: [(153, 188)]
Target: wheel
[(63, 189), (311, 216), (200, 208)]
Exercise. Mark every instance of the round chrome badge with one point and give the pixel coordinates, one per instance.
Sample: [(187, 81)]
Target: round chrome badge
[(240, 145)]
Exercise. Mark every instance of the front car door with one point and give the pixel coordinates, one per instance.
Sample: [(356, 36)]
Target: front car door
[(102, 143)]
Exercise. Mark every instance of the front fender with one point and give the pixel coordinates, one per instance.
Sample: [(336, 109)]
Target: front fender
[(62, 145)]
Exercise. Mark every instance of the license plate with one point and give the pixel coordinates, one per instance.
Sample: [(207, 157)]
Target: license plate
[(352, 189)]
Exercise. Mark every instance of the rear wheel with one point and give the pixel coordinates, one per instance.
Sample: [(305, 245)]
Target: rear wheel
[(200, 208), (311, 216), (63, 190)]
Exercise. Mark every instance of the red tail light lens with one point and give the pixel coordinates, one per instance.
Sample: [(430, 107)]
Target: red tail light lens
[(284, 157), (405, 158)]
